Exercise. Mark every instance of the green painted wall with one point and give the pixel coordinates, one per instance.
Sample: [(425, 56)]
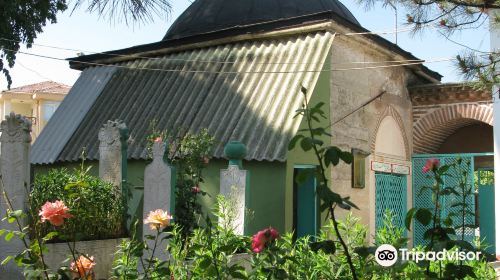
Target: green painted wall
[(267, 191), (267, 188), (297, 156)]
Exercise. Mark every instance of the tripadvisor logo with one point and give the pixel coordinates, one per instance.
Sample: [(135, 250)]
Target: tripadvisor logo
[(387, 255)]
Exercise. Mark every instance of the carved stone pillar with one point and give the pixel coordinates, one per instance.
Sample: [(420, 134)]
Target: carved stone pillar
[(234, 186), (15, 171), (159, 189), (113, 152)]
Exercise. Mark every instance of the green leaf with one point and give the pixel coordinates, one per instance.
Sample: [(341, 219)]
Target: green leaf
[(7, 260), (448, 221), (80, 184), (327, 246), (365, 251), (294, 140), (464, 245), (346, 157), (50, 235), (443, 169), (323, 207), (16, 214), (238, 274), (328, 195), (28, 261), (9, 236), (409, 217), (63, 275), (318, 142), (319, 105), (2, 231), (306, 144), (424, 216), (332, 155), (205, 263), (319, 131), (347, 200), (211, 271)]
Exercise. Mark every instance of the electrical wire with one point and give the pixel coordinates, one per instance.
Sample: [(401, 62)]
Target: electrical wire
[(388, 31), (213, 61), (236, 72)]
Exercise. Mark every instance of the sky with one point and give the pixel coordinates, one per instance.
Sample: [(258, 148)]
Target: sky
[(88, 33)]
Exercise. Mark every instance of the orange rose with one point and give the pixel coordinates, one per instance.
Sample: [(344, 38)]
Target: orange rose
[(158, 219), (83, 266)]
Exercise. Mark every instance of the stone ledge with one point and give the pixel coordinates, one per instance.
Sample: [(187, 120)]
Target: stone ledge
[(102, 250)]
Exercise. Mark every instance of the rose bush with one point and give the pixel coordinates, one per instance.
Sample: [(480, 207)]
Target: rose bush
[(98, 206)]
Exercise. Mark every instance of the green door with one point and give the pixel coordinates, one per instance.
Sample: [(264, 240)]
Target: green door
[(486, 207), (390, 194), (305, 206)]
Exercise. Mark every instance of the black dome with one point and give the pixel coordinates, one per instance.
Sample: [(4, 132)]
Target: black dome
[(205, 16)]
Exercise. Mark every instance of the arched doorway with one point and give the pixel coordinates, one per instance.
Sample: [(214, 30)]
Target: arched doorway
[(389, 171), (434, 129), (459, 131)]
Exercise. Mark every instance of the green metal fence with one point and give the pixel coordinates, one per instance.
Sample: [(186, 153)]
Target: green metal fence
[(422, 198), (486, 206)]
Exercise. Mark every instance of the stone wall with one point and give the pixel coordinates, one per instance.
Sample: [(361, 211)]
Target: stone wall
[(349, 90), (102, 250)]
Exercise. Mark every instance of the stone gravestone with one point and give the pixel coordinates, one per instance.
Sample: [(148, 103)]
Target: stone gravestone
[(113, 152), (234, 186), (159, 182), (15, 181)]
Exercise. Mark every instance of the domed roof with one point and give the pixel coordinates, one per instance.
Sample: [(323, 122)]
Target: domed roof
[(204, 16)]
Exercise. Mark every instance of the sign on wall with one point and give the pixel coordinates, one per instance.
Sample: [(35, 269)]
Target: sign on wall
[(390, 168), (381, 167), (400, 169)]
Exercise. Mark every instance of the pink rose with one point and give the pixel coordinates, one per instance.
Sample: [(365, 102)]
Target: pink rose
[(54, 212), (196, 190), (431, 164), (158, 140), (262, 238)]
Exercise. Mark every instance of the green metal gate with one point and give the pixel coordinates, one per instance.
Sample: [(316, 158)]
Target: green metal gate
[(486, 205), (422, 198), (390, 194)]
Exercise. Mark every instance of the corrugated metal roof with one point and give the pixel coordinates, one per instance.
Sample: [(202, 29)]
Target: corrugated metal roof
[(251, 97), (68, 116)]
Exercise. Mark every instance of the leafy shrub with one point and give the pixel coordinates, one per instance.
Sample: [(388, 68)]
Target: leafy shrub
[(97, 206), (191, 158)]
